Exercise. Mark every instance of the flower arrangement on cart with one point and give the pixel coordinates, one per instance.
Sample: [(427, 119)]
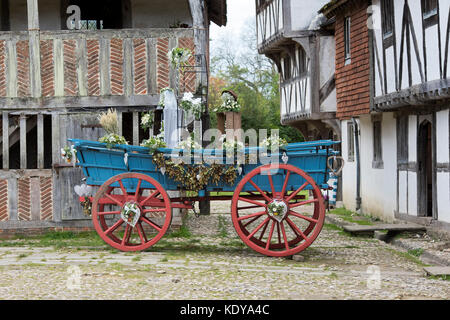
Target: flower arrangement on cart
[(277, 206)]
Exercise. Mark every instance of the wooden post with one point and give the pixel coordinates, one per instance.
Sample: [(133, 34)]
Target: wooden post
[(40, 141), (23, 141), (5, 129), (34, 45), (136, 128)]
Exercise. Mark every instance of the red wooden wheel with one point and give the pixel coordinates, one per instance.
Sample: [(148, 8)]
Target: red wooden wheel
[(277, 222), (129, 222)]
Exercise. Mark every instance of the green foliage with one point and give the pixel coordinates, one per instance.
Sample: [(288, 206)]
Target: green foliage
[(255, 81)]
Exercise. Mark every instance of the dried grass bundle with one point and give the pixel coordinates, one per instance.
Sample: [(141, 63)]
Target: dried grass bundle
[(109, 121)]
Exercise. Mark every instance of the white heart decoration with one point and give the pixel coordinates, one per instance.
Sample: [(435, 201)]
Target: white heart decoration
[(130, 208), (83, 190)]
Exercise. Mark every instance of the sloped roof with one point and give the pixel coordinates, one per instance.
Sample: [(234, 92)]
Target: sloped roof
[(217, 11), (330, 7)]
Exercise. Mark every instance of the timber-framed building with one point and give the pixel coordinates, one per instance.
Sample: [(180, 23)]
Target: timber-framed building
[(393, 82), (54, 81)]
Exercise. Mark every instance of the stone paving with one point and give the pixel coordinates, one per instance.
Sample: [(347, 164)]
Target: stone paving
[(213, 263)]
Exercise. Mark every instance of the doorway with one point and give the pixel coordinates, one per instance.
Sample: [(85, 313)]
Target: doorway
[(425, 169)]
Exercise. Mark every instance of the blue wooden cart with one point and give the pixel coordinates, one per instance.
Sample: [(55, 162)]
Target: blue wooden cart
[(277, 208)]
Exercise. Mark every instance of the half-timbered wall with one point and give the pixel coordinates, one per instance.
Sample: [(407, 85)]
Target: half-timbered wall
[(416, 51), (269, 19), (295, 82)]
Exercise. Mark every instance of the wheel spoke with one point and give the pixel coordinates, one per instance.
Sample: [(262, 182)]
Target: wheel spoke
[(297, 191), (125, 235), (251, 221), (270, 235), (298, 215), (114, 227), (279, 233), (104, 213), (252, 202), (249, 207), (138, 187), (153, 225), (257, 228), (286, 243), (153, 195), (295, 228), (142, 231), (298, 204), (264, 230), (252, 216), (260, 191), (283, 191), (124, 190), (110, 197)]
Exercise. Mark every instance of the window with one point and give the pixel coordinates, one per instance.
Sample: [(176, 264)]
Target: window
[(402, 140), (287, 68), (347, 25), (377, 145), (430, 12), (301, 58), (429, 8), (351, 141), (387, 17)]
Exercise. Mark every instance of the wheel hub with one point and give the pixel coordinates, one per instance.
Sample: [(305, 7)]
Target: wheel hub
[(277, 209), (130, 213)]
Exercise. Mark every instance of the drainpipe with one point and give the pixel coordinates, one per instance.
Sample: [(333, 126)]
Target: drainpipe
[(358, 165)]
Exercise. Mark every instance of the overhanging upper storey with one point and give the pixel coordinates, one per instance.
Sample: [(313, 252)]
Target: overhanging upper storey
[(84, 53), (279, 20), (411, 54)]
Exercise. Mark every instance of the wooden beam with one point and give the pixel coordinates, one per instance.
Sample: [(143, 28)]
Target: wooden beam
[(23, 142), (5, 129), (33, 14)]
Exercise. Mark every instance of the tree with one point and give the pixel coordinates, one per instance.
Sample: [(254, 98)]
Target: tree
[(255, 80)]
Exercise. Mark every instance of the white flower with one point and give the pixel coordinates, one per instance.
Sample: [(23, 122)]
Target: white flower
[(188, 96)]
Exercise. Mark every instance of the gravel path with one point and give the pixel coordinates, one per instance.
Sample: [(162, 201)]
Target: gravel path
[(214, 264)]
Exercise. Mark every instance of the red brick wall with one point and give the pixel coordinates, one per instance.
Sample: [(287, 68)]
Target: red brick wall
[(352, 80), (140, 66), (116, 55), (162, 48), (70, 68), (4, 209), (93, 67), (47, 69), (187, 79), (23, 68), (24, 199)]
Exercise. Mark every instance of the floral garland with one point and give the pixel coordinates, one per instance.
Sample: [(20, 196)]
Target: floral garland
[(147, 120), (113, 139), (229, 104), (194, 106), (189, 144), (231, 145), (154, 143), (68, 154), (179, 57), (195, 177), (274, 143)]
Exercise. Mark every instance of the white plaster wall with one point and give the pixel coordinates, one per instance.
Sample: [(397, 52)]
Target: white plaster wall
[(379, 186), (443, 196), (327, 69), (159, 13), (348, 172), (412, 139), (432, 49), (442, 138), (412, 194), (303, 12)]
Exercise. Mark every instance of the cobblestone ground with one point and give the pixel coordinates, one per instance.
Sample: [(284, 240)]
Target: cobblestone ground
[(213, 263)]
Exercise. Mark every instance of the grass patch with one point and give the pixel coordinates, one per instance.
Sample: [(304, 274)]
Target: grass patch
[(415, 252), (136, 259), (57, 239), (223, 227), (352, 217), (183, 232), (408, 256), (443, 277)]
